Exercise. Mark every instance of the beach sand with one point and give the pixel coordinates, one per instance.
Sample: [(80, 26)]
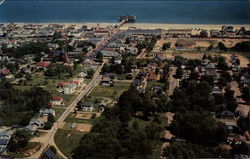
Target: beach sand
[(180, 26), (153, 25)]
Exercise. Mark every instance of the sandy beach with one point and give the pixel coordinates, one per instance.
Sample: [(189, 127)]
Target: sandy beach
[(181, 26), (153, 25)]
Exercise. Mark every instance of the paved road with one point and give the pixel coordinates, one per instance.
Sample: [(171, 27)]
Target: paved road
[(49, 137)]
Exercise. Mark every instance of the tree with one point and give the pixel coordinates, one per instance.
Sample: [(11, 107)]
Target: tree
[(51, 118), (244, 123), (204, 34), (222, 65), (221, 46), (245, 94), (242, 46), (178, 150), (165, 72), (166, 46), (179, 73), (90, 73), (99, 57), (211, 47), (198, 127), (48, 125), (53, 149), (19, 140)]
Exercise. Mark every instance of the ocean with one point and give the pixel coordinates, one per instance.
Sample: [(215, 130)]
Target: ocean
[(174, 12)]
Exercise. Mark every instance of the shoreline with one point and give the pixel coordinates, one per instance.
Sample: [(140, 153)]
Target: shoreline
[(149, 25)]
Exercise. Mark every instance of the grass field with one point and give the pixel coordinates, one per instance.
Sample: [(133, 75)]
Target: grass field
[(110, 92), (71, 119), (59, 111), (67, 140)]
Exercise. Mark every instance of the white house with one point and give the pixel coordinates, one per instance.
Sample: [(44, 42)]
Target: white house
[(57, 101), (45, 111)]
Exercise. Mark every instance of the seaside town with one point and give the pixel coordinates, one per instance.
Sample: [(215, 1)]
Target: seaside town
[(120, 91)]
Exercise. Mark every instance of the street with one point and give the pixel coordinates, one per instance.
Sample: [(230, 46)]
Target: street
[(48, 139)]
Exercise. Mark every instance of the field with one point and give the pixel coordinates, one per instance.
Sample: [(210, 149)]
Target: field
[(110, 92), (194, 42), (67, 140)]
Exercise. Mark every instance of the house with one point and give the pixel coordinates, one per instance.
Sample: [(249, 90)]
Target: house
[(131, 50), (157, 90), (205, 62), (60, 85), (137, 83), (82, 75), (106, 81), (117, 60), (152, 76), (129, 76), (3, 145), (88, 62), (85, 106), (109, 53), (5, 73), (246, 82), (101, 107), (77, 83), (216, 90), (78, 80), (110, 75), (211, 71), (226, 114), (42, 64), (4, 140), (57, 101), (6, 157), (45, 111), (49, 155), (69, 89), (35, 124), (186, 74)]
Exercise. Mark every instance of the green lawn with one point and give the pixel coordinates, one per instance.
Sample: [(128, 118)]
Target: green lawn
[(67, 140), (59, 111), (155, 83), (110, 92), (71, 119)]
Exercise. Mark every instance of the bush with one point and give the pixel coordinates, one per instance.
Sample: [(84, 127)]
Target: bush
[(48, 125), (93, 116), (53, 149)]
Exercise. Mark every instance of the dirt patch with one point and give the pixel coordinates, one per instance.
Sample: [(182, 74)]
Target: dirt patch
[(86, 115), (84, 127), (68, 135)]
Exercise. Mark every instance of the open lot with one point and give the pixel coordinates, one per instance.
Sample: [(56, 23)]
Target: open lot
[(67, 140), (110, 92), (195, 42)]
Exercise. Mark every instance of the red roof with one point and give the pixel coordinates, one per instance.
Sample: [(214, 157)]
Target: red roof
[(76, 82), (58, 98), (152, 76), (44, 64)]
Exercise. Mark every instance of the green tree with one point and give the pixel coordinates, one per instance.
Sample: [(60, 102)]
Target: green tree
[(221, 46), (90, 73), (166, 46), (99, 57), (179, 73), (198, 127), (19, 140)]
